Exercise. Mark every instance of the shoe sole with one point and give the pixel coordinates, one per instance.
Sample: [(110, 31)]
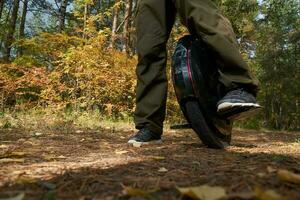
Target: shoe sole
[(227, 105), (238, 111), (144, 143)]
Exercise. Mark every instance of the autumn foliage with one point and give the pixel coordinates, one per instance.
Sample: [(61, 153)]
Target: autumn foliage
[(84, 74)]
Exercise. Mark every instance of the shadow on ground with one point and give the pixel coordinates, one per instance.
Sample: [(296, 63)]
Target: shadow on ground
[(98, 165)]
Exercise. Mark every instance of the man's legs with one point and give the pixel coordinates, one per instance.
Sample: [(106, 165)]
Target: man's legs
[(154, 23), (203, 18)]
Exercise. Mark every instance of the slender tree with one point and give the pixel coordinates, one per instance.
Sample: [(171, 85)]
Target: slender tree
[(126, 33), (5, 21), (22, 24), (85, 17), (11, 30), (114, 24), (98, 4), (62, 15), (2, 2)]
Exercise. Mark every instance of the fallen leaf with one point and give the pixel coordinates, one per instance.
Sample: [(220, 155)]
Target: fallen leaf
[(13, 155), (21, 140), (162, 169), (17, 154), (27, 142), (137, 192), (229, 158), (137, 144), (24, 180), (38, 134), (267, 194), (7, 160), (288, 176), (49, 157), (261, 175), (61, 157), (271, 169), (158, 157), (121, 152), (18, 197), (203, 192), (3, 146)]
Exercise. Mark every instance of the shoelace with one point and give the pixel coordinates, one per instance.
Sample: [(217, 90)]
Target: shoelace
[(239, 91)]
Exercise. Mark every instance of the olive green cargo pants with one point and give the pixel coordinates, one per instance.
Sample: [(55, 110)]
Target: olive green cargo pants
[(155, 19)]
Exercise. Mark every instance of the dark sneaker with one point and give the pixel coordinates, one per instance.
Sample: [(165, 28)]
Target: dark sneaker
[(238, 104), (145, 136)]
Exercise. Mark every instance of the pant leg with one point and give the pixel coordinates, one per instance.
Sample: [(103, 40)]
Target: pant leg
[(203, 18), (155, 19)]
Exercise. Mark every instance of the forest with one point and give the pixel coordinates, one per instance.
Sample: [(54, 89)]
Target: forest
[(80, 56), (67, 97)]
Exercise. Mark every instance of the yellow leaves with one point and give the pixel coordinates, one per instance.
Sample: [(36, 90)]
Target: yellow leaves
[(288, 176), (121, 152), (130, 191), (158, 157), (163, 169), (248, 28), (13, 154), (9, 160), (267, 194), (203, 192), (24, 180), (206, 192), (109, 108), (50, 157), (12, 157), (83, 74)]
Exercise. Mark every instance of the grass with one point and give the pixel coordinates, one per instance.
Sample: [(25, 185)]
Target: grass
[(59, 121), (68, 121), (297, 140)]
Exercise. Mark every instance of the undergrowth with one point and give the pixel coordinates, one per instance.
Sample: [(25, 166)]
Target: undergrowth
[(68, 121), (60, 121)]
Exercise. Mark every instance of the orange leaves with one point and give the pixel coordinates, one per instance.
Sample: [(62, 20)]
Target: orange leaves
[(21, 83), (78, 73), (82, 73)]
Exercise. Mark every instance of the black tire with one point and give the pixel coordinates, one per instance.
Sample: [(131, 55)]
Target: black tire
[(204, 127)]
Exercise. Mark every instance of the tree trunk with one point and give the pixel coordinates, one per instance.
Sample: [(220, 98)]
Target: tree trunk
[(114, 24), (11, 30), (126, 33), (132, 42), (62, 15), (99, 5), (22, 25), (3, 35), (2, 2), (85, 16)]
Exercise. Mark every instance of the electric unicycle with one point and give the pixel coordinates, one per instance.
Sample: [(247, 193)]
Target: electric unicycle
[(197, 87)]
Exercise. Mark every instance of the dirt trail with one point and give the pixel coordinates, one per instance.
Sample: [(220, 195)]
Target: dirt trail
[(99, 164)]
